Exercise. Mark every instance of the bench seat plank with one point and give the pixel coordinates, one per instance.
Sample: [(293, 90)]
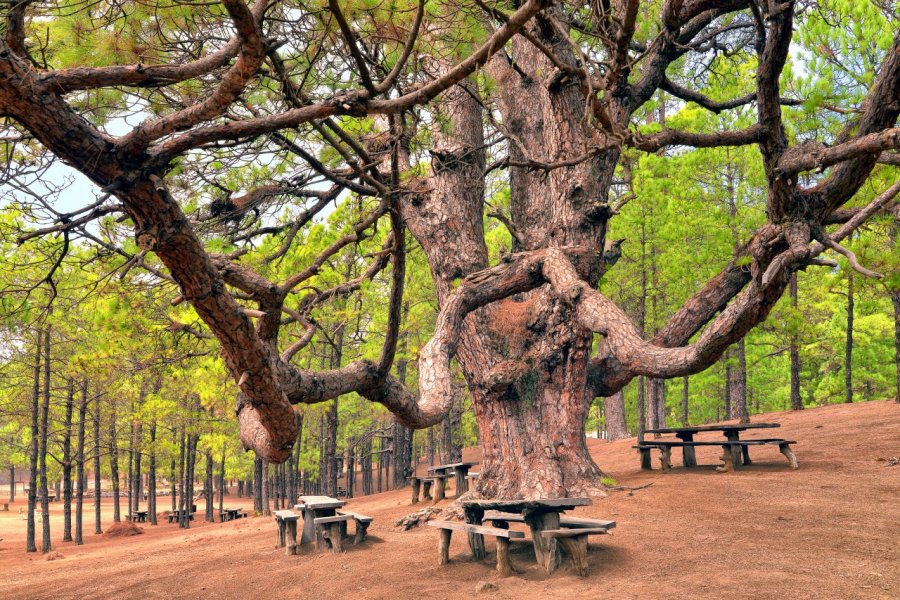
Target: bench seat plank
[(479, 529), (570, 533), (333, 519)]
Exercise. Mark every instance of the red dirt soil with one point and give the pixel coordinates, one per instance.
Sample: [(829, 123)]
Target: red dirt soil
[(829, 530)]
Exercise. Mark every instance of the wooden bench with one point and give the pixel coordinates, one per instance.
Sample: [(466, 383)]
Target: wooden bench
[(733, 451), (332, 530), (574, 541), (504, 566), (173, 517), (286, 536), (362, 525), (500, 519)]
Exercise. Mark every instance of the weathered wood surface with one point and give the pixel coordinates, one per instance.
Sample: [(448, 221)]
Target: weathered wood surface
[(569, 533), (286, 515), (479, 529), (713, 427), (317, 502), (332, 519), (568, 522), (503, 536), (523, 505)]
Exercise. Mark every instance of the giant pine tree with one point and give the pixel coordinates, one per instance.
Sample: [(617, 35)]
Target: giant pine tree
[(282, 107)]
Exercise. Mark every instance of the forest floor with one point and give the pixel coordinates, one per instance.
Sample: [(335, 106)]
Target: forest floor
[(829, 530)]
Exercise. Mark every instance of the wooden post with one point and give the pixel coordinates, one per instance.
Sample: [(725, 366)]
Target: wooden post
[(291, 536), (504, 566), (444, 546), (734, 436), (440, 485), (462, 484), (665, 457), (727, 459), (476, 540), (279, 536), (786, 450), (546, 550), (335, 537), (688, 454), (415, 484), (426, 489), (646, 465), (576, 548)]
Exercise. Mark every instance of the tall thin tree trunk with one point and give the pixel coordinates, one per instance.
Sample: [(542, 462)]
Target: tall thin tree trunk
[(98, 528), (222, 483), (848, 349), (796, 398), (266, 508), (257, 485), (685, 396), (182, 458), (614, 415), (68, 460), (79, 464), (210, 501), (30, 545), (114, 462), (42, 453), (739, 387), (151, 476), (895, 297)]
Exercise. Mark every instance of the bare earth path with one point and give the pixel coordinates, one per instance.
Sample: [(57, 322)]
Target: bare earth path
[(829, 530)]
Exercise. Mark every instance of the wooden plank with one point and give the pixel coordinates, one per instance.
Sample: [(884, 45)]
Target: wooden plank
[(479, 529), (357, 516), (714, 427), (333, 519), (581, 523), (568, 533), (316, 502), (286, 515), (522, 505), (497, 515)]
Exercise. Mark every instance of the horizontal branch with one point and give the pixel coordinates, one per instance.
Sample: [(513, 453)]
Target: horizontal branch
[(803, 158)]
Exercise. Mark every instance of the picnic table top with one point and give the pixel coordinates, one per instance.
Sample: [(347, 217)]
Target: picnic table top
[(227, 509), (515, 505), (316, 502), (713, 427), (455, 465)]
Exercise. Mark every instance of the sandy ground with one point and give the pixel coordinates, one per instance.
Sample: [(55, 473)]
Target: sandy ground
[(828, 530)]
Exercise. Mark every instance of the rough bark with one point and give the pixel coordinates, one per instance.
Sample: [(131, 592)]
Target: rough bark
[(114, 462), (614, 413), (46, 545), (68, 462), (848, 344), (796, 398), (98, 526), (79, 463), (30, 545), (151, 475)]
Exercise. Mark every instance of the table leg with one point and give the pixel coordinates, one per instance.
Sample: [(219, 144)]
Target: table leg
[(474, 516), (462, 484), (309, 527), (689, 456), (291, 546), (319, 531), (734, 436), (546, 550)]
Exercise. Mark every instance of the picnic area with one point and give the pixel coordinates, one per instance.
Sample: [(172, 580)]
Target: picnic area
[(826, 530)]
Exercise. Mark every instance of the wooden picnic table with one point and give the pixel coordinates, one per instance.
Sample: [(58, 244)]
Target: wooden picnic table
[(540, 515), (732, 433), (312, 508), (460, 468), (138, 516), (229, 514)]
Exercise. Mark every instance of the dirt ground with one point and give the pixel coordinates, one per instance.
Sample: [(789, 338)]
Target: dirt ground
[(829, 530)]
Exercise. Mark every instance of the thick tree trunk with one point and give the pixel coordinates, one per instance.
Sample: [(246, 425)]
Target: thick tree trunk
[(737, 385), (848, 347), (614, 415), (79, 464), (796, 397), (68, 461), (30, 545)]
